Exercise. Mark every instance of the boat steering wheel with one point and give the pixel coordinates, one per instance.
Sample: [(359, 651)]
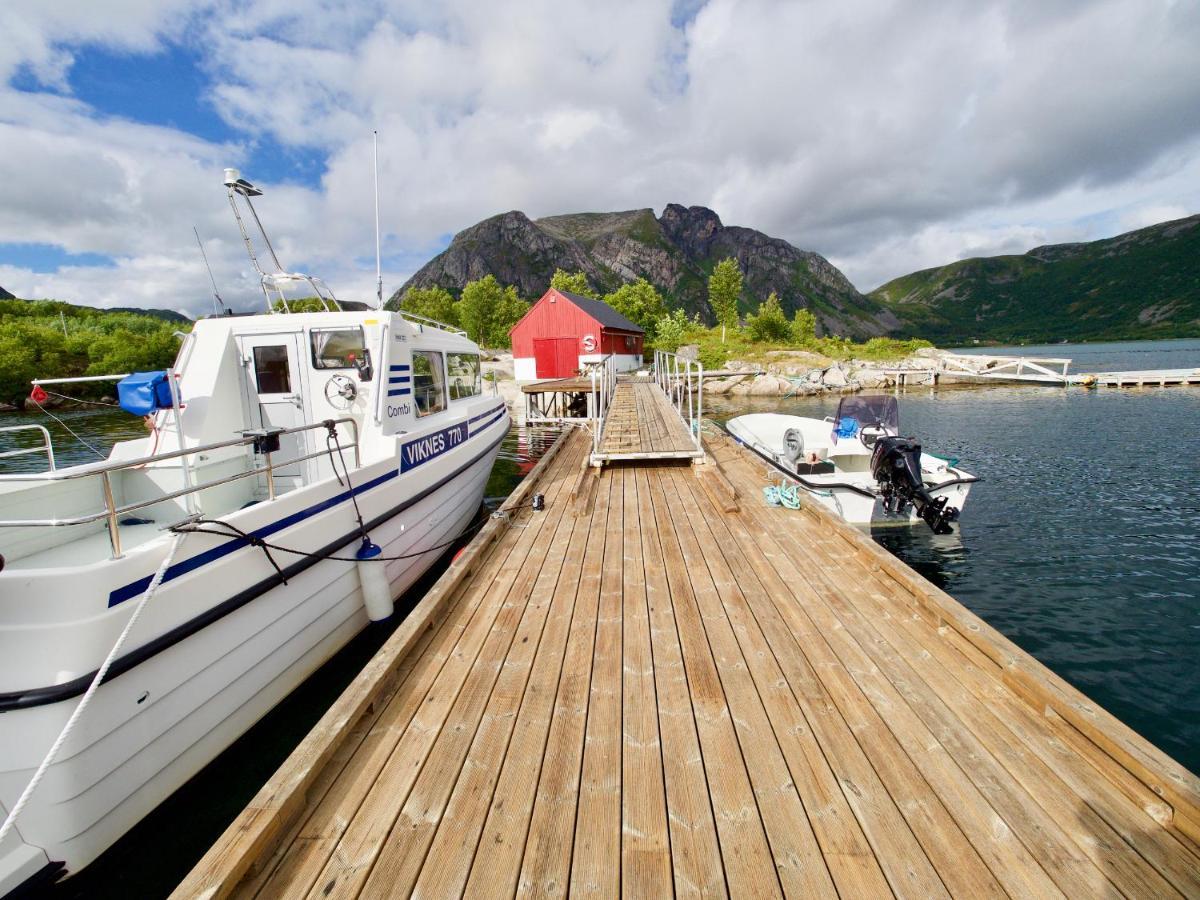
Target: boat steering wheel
[(340, 391)]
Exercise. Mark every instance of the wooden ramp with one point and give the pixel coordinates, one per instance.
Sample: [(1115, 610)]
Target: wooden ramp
[(659, 686), (642, 424)]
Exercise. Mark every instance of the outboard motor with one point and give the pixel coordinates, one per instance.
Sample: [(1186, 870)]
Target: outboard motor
[(896, 465)]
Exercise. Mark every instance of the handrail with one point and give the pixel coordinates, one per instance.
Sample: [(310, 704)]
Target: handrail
[(88, 471), (425, 320), (47, 447), (604, 384), (112, 511), (682, 380)]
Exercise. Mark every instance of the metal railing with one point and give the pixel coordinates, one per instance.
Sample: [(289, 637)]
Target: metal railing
[(425, 320), (104, 472), (46, 447), (682, 380), (1001, 367), (603, 376)]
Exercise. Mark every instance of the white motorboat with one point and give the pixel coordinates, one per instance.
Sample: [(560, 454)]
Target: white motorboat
[(858, 465), (301, 471)]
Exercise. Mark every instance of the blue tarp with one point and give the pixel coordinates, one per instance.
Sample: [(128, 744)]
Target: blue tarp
[(143, 392)]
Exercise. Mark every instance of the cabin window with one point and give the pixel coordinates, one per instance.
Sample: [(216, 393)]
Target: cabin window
[(463, 369), (271, 370), (338, 348), (429, 382)]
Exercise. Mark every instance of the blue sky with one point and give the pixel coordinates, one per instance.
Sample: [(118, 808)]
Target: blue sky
[(886, 136)]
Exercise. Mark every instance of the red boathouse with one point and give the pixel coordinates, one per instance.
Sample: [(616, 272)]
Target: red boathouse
[(564, 331)]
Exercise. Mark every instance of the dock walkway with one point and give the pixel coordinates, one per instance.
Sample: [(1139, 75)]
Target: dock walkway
[(642, 424), (658, 685)]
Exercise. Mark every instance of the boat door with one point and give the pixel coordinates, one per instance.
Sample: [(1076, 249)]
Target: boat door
[(275, 394)]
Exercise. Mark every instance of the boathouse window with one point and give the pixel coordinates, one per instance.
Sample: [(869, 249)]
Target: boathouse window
[(429, 382), (338, 348), (464, 375), (271, 370)]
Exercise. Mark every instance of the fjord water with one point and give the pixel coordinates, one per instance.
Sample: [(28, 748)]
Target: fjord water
[(1082, 545)]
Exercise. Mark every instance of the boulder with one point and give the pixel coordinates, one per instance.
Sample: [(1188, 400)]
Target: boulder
[(834, 377), (769, 386), (871, 378)]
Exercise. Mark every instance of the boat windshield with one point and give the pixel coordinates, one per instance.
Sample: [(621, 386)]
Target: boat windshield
[(856, 413)]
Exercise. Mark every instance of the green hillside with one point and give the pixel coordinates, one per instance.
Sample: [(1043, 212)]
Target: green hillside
[(48, 338), (1140, 285)]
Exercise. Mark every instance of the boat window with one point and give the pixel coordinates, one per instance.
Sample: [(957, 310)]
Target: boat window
[(429, 382), (337, 348), (271, 370), (464, 375)]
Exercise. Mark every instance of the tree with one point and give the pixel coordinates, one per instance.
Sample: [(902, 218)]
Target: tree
[(804, 328), (670, 330), (487, 310), (573, 283), (432, 302), (639, 302), (769, 323), (724, 290)]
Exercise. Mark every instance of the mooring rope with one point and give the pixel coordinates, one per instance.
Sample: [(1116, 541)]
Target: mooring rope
[(23, 800)]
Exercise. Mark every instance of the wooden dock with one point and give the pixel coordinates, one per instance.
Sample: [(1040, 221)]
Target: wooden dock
[(642, 424), (660, 686)]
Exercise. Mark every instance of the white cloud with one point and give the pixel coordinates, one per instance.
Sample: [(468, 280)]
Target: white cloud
[(889, 136)]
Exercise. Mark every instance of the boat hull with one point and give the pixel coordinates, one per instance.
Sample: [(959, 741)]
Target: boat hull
[(150, 729), (850, 491)]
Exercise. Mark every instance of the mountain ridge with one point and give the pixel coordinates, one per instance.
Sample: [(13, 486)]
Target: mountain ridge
[(1142, 284), (675, 252)]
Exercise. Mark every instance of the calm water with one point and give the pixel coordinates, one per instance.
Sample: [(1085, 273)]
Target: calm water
[(1080, 545)]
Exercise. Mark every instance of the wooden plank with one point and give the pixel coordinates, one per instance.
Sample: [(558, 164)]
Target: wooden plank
[(864, 698), (1058, 830), (356, 852), (1054, 762), (695, 853), (1037, 684), (478, 723), (497, 861), (546, 863), (596, 857), (520, 700), (750, 869), (302, 859), (256, 831), (645, 843), (799, 861), (843, 838), (1040, 686)]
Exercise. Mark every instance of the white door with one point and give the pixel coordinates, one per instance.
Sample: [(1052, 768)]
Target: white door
[(275, 387)]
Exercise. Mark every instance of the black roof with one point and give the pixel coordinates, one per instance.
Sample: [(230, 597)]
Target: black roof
[(603, 313)]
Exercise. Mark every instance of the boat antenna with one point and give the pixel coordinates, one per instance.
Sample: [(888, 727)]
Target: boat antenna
[(378, 263), (217, 301), (238, 185)]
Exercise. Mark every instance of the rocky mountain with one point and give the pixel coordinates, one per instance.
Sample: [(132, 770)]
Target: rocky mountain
[(1143, 284), (5, 295), (676, 252)]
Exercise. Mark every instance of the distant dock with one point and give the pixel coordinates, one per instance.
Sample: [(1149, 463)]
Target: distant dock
[(970, 369), (659, 686)]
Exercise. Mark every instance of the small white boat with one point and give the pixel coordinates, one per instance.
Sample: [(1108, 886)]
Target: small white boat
[(858, 465), (301, 471)]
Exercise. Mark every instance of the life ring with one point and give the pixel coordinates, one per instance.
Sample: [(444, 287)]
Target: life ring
[(589, 343)]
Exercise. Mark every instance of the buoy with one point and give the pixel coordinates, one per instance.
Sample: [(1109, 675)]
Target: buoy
[(377, 593)]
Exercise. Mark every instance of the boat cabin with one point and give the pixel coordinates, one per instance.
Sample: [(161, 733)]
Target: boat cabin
[(291, 398)]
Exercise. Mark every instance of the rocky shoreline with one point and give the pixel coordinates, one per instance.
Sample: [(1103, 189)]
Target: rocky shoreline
[(801, 374)]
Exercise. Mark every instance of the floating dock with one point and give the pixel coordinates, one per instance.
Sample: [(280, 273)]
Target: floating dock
[(657, 685)]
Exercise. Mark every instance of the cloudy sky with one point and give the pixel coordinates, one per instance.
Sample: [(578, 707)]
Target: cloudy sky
[(889, 136)]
